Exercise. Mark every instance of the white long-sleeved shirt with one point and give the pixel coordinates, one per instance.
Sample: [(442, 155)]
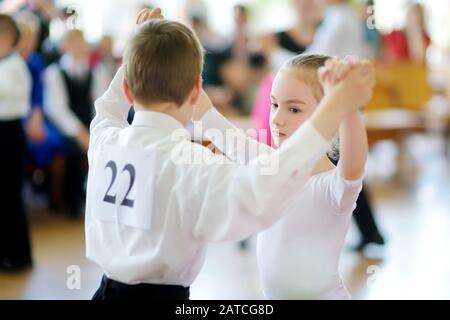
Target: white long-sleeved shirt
[(155, 199), (340, 34), (298, 256), (15, 88), (56, 99)]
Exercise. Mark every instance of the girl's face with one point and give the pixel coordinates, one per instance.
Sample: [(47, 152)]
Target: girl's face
[(292, 103)]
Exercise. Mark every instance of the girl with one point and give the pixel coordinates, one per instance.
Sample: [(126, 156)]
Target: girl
[(298, 257)]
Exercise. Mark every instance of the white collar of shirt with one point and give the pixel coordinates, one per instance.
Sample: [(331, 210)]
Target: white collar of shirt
[(164, 123), (74, 68)]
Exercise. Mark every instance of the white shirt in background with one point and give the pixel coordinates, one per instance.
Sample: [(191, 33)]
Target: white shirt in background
[(56, 99), (151, 212), (341, 34), (15, 88), (298, 257)]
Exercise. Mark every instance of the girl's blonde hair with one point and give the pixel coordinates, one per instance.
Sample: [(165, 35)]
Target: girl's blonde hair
[(306, 66)]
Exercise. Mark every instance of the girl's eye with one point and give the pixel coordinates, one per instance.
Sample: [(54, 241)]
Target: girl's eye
[(274, 105), (294, 110)]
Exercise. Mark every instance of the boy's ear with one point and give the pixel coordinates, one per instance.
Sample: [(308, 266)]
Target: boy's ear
[(127, 90), (196, 91)]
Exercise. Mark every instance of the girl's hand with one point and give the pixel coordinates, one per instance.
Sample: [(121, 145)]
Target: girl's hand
[(335, 70), (349, 82)]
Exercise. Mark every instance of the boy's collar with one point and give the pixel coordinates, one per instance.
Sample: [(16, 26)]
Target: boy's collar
[(159, 121)]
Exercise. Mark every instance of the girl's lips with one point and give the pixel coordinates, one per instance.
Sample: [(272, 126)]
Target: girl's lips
[(279, 134)]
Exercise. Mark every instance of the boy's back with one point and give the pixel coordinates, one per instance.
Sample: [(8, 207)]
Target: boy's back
[(140, 231)]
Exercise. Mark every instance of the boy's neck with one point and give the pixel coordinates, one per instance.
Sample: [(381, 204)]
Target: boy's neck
[(168, 108)]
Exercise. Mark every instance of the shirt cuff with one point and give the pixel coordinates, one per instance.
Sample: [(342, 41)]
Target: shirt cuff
[(350, 183)]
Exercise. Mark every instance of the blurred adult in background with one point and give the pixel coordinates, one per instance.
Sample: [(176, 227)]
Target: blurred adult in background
[(46, 12), (15, 87), (411, 42), (341, 34), (215, 57), (283, 45), (71, 87), (29, 31), (44, 141), (244, 66), (278, 48), (103, 56)]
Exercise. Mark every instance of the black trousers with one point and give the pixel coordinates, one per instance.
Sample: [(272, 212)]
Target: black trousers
[(113, 290), (364, 218), (74, 177), (14, 236)]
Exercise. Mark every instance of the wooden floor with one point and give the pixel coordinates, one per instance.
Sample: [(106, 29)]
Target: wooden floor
[(413, 211)]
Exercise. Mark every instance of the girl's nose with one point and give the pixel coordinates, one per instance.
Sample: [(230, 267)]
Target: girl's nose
[(278, 118)]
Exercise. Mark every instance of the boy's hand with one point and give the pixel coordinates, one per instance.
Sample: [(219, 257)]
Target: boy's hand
[(348, 81), (148, 14), (204, 104)]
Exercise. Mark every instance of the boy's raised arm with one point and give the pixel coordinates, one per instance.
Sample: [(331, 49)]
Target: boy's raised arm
[(111, 111), (232, 141), (240, 200)]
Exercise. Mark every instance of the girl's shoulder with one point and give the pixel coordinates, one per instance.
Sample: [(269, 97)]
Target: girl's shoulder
[(334, 177), (331, 188)]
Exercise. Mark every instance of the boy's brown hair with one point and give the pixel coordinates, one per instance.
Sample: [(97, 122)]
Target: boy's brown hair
[(307, 65), (8, 25), (162, 62)]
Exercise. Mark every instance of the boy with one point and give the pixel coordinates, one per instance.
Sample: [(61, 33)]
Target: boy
[(150, 210), (15, 88)]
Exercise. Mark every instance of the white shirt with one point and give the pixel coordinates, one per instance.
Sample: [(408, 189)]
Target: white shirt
[(56, 100), (178, 206), (15, 88), (298, 256), (340, 34)]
